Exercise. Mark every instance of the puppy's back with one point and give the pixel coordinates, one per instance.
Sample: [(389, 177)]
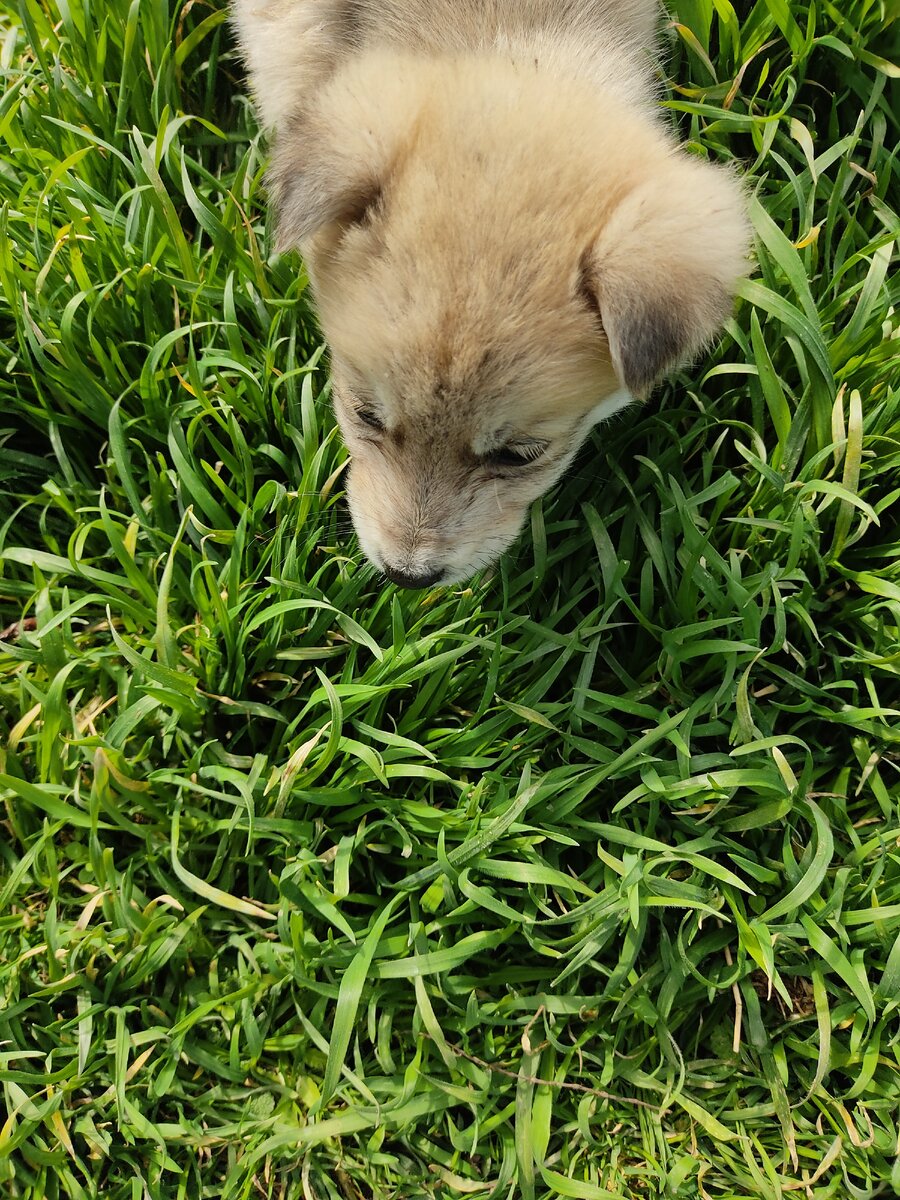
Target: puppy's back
[(293, 46), (449, 25)]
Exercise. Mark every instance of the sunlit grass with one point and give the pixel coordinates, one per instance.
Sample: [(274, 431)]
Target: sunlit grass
[(581, 882)]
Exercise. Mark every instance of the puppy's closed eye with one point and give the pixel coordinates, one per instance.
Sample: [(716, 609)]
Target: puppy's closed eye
[(360, 409), (367, 415), (515, 455)]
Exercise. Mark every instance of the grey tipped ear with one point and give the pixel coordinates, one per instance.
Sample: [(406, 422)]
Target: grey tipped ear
[(314, 186), (663, 271), (313, 194), (336, 153)]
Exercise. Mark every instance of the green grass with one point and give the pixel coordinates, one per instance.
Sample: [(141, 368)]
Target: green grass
[(580, 882)]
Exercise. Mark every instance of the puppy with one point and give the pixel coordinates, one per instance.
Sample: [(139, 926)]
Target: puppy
[(504, 244)]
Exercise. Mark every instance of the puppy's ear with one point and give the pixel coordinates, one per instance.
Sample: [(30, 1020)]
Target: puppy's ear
[(316, 184), (664, 268), (334, 158)]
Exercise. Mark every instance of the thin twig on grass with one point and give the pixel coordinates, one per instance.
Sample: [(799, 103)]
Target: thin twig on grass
[(551, 1083)]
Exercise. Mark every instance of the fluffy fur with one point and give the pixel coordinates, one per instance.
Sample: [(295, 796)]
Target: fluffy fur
[(505, 245)]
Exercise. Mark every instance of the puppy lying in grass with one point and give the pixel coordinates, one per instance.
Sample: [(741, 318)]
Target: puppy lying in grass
[(504, 243)]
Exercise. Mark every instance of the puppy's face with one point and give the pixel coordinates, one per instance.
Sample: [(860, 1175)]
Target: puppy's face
[(461, 403), (487, 303), (440, 488)]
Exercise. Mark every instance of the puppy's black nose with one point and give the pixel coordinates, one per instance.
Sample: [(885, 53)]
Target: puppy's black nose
[(412, 581)]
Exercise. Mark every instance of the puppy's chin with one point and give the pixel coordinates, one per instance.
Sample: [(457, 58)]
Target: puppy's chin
[(471, 558)]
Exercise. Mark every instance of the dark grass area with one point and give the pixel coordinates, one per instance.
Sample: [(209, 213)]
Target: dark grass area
[(583, 881)]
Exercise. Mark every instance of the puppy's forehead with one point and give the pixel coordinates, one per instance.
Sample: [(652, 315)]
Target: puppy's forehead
[(436, 396), (476, 338), (436, 428), (486, 398)]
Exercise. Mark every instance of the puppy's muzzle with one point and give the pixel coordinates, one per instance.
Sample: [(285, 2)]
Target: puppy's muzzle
[(413, 581)]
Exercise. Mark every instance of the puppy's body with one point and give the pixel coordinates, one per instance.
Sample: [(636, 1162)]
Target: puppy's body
[(504, 244), (293, 46)]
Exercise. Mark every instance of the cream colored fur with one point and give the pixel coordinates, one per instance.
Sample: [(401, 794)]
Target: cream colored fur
[(505, 245)]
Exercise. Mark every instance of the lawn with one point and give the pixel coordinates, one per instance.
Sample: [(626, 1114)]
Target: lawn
[(582, 881)]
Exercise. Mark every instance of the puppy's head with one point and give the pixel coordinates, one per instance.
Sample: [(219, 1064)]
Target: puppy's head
[(497, 270)]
